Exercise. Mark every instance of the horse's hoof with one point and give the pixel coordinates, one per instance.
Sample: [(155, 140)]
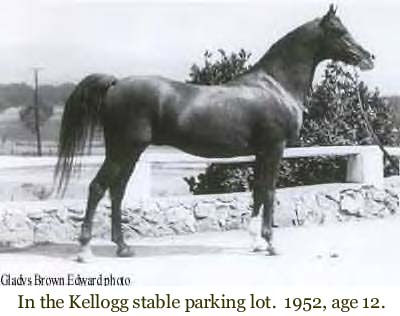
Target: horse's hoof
[(259, 248), (259, 245), (81, 259), (84, 258), (272, 251), (125, 252), (85, 255)]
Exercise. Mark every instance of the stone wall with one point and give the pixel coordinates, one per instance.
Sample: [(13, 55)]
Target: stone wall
[(28, 223)]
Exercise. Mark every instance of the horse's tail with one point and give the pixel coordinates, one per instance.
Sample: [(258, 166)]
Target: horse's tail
[(82, 113)]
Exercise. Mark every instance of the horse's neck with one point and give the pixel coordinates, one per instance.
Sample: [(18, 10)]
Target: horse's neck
[(297, 81), (291, 62)]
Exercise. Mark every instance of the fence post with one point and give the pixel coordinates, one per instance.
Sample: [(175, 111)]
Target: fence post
[(139, 185), (366, 167)]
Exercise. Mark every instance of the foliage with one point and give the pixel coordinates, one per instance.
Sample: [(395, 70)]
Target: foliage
[(220, 70), (334, 117), (21, 94), (27, 115), (15, 94), (222, 178)]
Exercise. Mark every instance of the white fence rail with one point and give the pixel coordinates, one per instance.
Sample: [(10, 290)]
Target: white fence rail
[(364, 164)]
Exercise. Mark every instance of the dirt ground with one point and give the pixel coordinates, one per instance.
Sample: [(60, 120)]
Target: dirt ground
[(356, 253)]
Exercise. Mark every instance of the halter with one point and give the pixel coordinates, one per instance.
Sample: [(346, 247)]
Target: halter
[(375, 137)]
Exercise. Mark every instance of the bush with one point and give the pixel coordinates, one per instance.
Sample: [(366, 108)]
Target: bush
[(334, 118), (27, 115), (222, 178), (219, 70)]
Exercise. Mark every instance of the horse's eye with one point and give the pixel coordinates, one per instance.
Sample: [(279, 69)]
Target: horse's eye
[(340, 32), (337, 31)]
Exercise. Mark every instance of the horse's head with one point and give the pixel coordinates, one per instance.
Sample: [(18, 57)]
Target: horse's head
[(339, 45)]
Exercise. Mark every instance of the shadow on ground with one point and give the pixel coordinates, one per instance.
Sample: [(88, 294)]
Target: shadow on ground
[(66, 250)]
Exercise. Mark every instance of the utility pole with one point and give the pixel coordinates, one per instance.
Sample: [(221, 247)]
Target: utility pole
[(36, 110)]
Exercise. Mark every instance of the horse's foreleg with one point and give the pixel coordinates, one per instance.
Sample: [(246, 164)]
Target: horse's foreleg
[(271, 160), (259, 244), (97, 188), (266, 171)]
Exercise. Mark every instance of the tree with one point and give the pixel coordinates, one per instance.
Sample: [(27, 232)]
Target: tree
[(27, 115), (334, 118), (334, 106), (220, 70)]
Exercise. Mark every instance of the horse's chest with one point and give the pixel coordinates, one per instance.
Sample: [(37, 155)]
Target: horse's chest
[(277, 122), (296, 117), (292, 116)]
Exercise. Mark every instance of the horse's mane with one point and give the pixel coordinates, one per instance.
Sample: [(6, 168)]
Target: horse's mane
[(303, 32)]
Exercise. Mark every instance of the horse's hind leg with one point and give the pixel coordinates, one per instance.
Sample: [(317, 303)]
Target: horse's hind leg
[(97, 188), (117, 191), (113, 175)]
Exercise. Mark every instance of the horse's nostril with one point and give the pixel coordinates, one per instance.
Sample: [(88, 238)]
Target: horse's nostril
[(372, 56)]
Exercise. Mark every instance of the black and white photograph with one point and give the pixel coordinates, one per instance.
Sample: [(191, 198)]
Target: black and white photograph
[(200, 144)]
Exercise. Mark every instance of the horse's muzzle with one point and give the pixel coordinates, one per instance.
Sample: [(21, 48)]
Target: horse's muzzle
[(367, 63)]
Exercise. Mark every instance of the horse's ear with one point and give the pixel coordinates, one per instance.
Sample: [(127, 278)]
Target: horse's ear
[(332, 10), (331, 13)]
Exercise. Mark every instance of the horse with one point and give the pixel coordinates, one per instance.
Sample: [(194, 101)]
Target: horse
[(256, 113)]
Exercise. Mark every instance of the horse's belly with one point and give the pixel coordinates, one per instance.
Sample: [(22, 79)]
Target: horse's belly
[(214, 149)]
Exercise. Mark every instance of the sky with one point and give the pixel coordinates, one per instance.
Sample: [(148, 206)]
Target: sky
[(72, 38)]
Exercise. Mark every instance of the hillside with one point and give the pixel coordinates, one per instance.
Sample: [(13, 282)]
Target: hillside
[(14, 98), (21, 94), (12, 129)]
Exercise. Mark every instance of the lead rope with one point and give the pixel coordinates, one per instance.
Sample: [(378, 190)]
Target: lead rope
[(377, 141)]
